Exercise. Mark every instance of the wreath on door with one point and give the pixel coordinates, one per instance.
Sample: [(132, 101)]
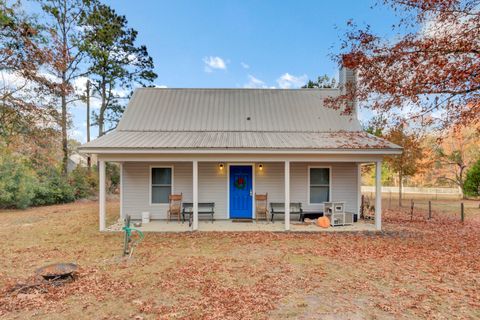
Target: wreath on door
[(240, 183)]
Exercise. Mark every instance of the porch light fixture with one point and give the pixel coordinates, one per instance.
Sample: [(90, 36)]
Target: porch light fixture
[(260, 167), (220, 166)]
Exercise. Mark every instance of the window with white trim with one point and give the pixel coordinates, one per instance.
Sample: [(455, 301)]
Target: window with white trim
[(319, 185), (161, 184)]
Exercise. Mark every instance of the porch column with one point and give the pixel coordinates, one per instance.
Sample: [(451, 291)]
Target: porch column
[(378, 195), (121, 190), (287, 195), (195, 195), (359, 190), (101, 194)]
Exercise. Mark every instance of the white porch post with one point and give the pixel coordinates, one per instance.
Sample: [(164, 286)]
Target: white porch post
[(121, 190), (359, 190), (195, 195), (378, 195), (101, 194), (287, 195)]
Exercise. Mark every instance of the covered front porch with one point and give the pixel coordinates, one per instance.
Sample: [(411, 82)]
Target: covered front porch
[(253, 226), (207, 179)]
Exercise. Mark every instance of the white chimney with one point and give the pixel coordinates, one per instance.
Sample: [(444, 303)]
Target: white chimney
[(348, 79)]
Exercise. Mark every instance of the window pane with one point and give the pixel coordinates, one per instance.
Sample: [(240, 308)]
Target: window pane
[(319, 176), (319, 194), (161, 176), (160, 194)]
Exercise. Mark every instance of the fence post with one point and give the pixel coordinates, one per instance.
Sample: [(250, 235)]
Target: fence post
[(411, 209), (462, 212), (429, 209), (362, 206)]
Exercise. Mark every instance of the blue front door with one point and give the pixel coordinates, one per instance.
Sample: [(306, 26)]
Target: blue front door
[(241, 192)]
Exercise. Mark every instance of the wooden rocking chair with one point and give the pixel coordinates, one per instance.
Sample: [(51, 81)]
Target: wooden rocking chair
[(174, 206), (261, 206)]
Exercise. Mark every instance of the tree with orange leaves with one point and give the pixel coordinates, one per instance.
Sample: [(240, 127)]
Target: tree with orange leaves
[(429, 73)]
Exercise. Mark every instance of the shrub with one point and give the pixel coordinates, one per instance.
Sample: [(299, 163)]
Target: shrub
[(53, 189), (472, 180), (113, 177), (18, 181), (84, 182)]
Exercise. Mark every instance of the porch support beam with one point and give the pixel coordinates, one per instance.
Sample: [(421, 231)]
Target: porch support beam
[(102, 195), (378, 195), (195, 195), (287, 195), (121, 190)]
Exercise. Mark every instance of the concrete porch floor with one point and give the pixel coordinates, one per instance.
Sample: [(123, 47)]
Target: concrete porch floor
[(230, 226)]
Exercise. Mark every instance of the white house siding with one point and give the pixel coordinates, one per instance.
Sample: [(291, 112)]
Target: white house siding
[(213, 186), (344, 184), (136, 187)]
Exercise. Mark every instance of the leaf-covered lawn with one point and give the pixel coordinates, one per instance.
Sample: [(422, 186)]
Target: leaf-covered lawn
[(414, 269)]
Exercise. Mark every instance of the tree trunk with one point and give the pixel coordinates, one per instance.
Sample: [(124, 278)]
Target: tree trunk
[(400, 186), (63, 92), (64, 126), (89, 160), (461, 184), (101, 113)]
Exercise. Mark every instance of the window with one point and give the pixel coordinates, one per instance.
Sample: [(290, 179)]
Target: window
[(319, 179), (161, 184)]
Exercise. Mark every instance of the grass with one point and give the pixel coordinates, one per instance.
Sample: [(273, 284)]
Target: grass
[(414, 269)]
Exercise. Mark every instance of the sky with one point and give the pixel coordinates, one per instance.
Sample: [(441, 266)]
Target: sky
[(242, 43)]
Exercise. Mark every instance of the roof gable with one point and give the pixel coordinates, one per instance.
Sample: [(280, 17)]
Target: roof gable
[(252, 110)]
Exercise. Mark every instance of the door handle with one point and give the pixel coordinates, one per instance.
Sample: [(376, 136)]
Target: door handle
[(251, 193)]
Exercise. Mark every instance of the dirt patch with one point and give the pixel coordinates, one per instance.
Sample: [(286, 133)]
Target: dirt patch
[(414, 269)]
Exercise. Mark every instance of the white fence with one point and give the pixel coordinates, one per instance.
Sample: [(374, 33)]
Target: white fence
[(419, 190)]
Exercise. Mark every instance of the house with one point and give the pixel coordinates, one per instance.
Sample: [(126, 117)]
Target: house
[(198, 142), (76, 159)]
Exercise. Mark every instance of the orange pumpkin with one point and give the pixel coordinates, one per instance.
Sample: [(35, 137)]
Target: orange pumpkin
[(323, 222)]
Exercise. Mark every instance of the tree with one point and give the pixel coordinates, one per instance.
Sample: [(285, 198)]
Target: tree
[(321, 82), (430, 70), (408, 163), (66, 34), (115, 61), (457, 152), (472, 180), (23, 110)]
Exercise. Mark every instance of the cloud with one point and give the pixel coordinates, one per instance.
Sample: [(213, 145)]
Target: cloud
[(244, 65), (288, 81), (160, 86), (212, 63), (256, 83)]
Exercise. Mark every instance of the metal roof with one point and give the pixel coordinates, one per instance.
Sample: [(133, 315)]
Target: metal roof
[(240, 140), (302, 110), (235, 119)]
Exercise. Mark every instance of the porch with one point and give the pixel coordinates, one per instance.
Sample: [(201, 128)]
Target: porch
[(208, 180), (231, 226)]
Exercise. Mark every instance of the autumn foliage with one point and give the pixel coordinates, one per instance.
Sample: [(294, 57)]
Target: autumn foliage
[(428, 73), (415, 268)]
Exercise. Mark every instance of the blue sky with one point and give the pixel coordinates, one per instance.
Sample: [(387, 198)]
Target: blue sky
[(247, 43)]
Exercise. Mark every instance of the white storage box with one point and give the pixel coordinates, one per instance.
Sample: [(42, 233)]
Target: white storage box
[(145, 217)]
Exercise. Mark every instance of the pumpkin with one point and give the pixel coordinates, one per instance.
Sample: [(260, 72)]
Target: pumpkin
[(323, 222)]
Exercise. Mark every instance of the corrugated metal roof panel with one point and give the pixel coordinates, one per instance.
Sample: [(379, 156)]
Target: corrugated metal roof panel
[(302, 110), (238, 140), (235, 119)]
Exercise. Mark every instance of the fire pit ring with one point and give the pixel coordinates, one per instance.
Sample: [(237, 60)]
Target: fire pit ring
[(57, 271)]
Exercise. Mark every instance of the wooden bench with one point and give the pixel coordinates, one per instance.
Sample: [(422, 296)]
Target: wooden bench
[(204, 208), (279, 208)]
